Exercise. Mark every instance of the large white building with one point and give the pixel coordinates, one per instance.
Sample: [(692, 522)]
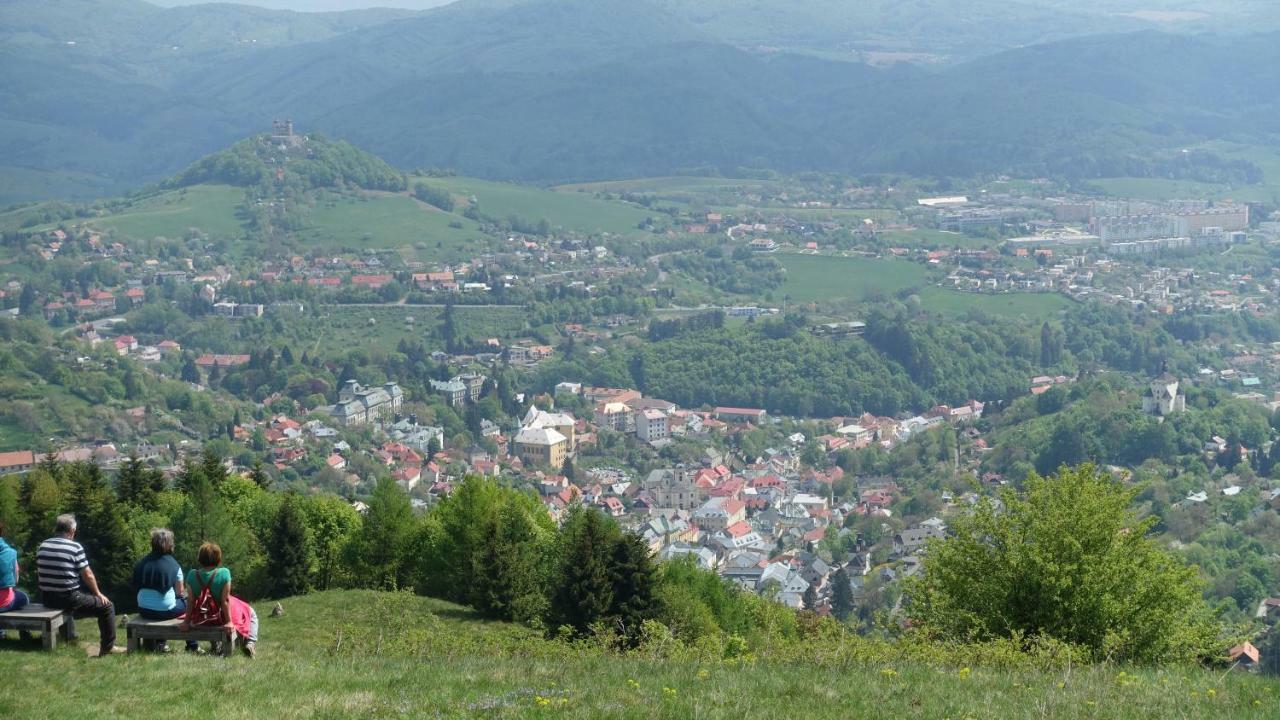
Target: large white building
[(1164, 398), (360, 405)]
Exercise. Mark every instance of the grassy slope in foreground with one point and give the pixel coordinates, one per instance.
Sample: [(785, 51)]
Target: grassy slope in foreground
[(439, 660)]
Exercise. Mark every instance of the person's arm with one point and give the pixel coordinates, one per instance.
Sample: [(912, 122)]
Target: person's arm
[(91, 582), (225, 603), (17, 572), (185, 625)]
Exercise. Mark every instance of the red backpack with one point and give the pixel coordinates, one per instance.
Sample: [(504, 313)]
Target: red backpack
[(207, 611)]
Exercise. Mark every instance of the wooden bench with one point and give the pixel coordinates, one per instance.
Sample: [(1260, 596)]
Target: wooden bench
[(140, 629), (49, 622)]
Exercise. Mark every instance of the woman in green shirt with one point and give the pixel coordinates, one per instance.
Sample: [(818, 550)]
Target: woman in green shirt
[(236, 613)]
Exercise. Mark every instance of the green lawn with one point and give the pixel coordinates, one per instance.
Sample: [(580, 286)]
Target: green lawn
[(369, 655), (570, 210), (1159, 189), (1029, 305), (813, 278), (386, 221), (211, 208), (849, 216)]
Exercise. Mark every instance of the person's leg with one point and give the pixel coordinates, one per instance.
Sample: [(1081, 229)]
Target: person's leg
[(20, 600), (84, 605), (253, 625)]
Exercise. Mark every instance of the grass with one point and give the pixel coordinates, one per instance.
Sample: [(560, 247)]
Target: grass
[(580, 212), (674, 184), (403, 656), (387, 221), (923, 237), (211, 208), (812, 278), (1028, 305), (341, 328)]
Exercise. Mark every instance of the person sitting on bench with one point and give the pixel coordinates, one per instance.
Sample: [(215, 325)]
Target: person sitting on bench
[(158, 579), (11, 598), (65, 577), (235, 613)]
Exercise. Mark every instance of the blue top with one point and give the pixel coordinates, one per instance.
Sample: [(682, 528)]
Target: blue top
[(154, 576), (8, 558)]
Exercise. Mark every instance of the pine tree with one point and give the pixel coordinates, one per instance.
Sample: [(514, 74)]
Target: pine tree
[(810, 598), (190, 373), (214, 470), (259, 475), (378, 553), (635, 581), (129, 481), (583, 588), (288, 562), (842, 604), (43, 499), (507, 578)]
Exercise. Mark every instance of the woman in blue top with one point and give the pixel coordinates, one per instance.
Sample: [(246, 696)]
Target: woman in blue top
[(11, 598), (158, 579)]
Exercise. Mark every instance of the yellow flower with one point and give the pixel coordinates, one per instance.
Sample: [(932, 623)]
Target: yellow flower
[(631, 683), (541, 701), (964, 672), (668, 692), (1062, 686), (703, 674), (1211, 692), (1257, 703), (888, 672)]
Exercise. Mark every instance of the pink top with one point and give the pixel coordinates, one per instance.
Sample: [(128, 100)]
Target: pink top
[(240, 615)]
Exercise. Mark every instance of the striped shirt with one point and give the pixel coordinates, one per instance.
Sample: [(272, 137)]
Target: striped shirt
[(58, 563)]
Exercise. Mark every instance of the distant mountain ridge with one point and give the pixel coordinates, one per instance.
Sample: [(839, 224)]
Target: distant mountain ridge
[(564, 90)]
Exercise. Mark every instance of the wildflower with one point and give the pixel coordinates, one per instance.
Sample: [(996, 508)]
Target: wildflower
[(668, 693), (703, 674), (1256, 703), (889, 672), (1210, 692), (1062, 686), (541, 701), (631, 683), (964, 673)]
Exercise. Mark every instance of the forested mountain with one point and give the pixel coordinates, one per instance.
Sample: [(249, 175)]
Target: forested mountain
[(560, 90)]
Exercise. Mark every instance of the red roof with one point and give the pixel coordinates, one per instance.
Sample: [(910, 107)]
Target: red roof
[(738, 529)]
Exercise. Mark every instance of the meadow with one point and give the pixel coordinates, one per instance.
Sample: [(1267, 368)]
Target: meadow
[(579, 212), (390, 221), (1035, 306), (211, 208), (814, 278), (359, 654)]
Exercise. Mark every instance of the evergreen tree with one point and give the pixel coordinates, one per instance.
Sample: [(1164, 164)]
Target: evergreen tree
[(43, 498), (635, 582), (190, 373), (129, 481), (288, 560), (214, 469), (810, 598), (507, 575), (259, 475), (583, 588), (842, 604), (378, 553)]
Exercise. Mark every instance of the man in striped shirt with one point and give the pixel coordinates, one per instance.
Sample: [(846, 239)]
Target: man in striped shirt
[(67, 582)]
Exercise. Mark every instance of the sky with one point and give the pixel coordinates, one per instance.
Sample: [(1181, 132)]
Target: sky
[(315, 5)]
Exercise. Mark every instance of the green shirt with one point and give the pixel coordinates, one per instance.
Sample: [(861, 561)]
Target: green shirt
[(215, 579)]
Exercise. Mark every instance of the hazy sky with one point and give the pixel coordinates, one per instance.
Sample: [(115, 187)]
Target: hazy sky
[(316, 5)]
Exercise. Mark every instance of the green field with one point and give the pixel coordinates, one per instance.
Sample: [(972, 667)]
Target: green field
[(386, 221), (1159, 189), (359, 654), (211, 208), (580, 212), (343, 328), (676, 184), (923, 237), (815, 278), (1029, 305)]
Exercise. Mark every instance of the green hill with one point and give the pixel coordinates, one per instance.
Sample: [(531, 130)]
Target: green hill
[(377, 655), (558, 91)]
